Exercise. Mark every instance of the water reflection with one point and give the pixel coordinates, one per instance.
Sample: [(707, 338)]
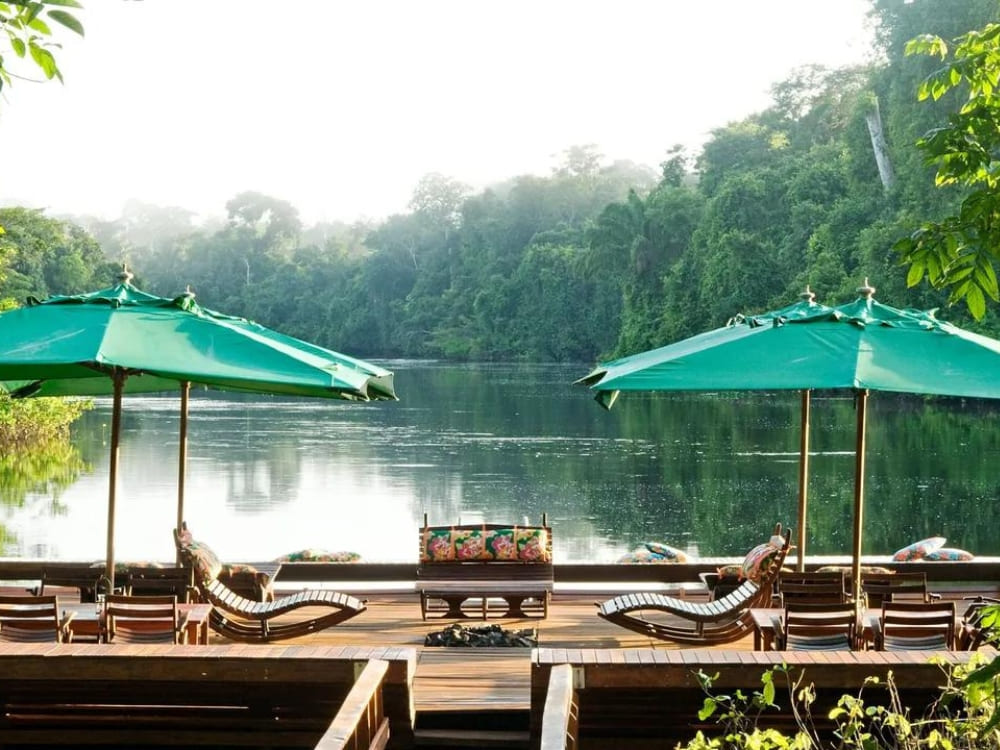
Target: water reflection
[(711, 473)]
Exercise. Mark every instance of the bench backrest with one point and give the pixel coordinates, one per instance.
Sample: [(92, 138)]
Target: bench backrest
[(205, 695)]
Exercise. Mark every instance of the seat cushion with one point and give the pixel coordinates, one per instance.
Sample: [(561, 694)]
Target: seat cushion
[(949, 553), (919, 550)]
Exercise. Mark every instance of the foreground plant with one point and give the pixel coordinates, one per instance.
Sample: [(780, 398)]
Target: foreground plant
[(964, 717)]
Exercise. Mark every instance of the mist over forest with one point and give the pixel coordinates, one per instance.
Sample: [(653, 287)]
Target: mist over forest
[(598, 258)]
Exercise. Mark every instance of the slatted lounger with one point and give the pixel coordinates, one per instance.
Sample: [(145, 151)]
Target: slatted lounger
[(242, 619), (720, 621)]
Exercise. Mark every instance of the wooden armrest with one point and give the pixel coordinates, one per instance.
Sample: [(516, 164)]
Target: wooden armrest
[(778, 623), (558, 717)]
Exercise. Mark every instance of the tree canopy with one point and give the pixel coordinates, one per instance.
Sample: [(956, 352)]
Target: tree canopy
[(28, 33), (602, 257)]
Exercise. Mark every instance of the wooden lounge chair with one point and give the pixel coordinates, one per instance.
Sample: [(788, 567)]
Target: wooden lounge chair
[(142, 619), (816, 627), (242, 619), (720, 621), (33, 619)]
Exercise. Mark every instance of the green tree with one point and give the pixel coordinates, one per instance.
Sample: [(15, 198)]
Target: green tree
[(960, 251)]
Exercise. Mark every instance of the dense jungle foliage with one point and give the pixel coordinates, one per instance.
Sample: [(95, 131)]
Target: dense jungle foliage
[(593, 260)]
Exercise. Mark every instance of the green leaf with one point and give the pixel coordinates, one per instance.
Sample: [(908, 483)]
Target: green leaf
[(43, 58), (66, 19), (915, 274), (64, 3), (769, 692), (975, 301), (707, 709), (18, 46), (40, 26)]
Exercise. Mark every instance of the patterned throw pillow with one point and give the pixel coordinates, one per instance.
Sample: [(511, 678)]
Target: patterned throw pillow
[(437, 545), (500, 544), (469, 544), (758, 560), (319, 555), (949, 553), (919, 550), (668, 553), (532, 544), (865, 570), (653, 553), (206, 563), (734, 570)]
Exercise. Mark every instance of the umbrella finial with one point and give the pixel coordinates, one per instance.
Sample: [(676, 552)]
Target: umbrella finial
[(866, 290), (125, 276), (808, 295)]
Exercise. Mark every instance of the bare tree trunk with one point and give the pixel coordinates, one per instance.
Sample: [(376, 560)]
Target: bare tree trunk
[(879, 146)]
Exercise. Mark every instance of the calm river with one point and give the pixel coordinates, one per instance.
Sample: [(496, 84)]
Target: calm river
[(504, 443)]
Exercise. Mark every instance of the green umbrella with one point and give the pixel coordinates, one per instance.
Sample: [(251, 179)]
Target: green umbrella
[(123, 340), (860, 346)]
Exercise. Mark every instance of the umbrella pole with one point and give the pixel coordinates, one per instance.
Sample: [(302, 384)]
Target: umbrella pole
[(182, 458), (116, 421), (803, 480), (859, 494)]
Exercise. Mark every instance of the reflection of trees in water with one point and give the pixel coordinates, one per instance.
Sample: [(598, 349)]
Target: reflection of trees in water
[(265, 482), (724, 469), (716, 471), (39, 475)]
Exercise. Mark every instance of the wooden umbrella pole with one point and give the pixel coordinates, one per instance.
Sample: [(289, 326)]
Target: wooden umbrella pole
[(803, 480), (859, 494), (182, 458), (116, 421)]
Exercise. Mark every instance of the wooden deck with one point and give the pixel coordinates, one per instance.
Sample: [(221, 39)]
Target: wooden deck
[(473, 679), (480, 683)]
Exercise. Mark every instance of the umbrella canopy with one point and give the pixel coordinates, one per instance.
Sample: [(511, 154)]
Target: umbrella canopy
[(861, 346), (123, 340)]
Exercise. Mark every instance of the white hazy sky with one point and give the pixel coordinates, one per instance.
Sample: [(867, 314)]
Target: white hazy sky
[(340, 107)]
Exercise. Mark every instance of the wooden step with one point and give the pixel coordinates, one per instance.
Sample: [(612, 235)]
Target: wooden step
[(471, 738)]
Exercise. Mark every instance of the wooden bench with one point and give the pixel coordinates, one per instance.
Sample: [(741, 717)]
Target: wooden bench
[(477, 562), (650, 698), (212, 696)]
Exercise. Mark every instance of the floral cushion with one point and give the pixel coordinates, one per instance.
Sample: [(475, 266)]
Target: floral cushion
[(668, 553), (532, 544), (479, 543), (318, 555), (949, 553), (919, 550), (500, 544), (470, 544), (437, 545)]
